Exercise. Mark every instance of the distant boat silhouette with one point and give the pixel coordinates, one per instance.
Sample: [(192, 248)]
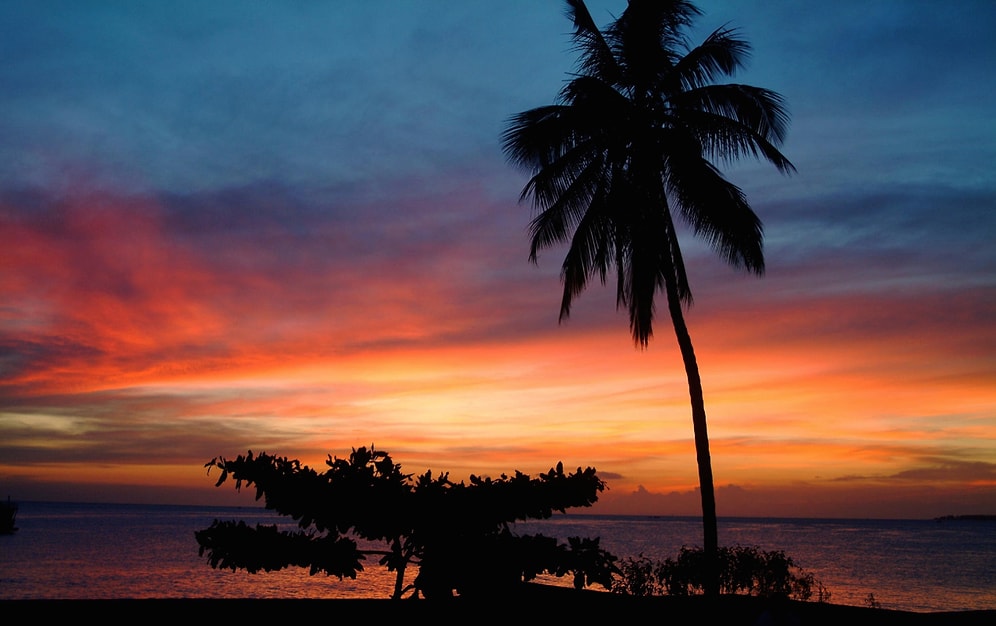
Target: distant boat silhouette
[(8, 515)]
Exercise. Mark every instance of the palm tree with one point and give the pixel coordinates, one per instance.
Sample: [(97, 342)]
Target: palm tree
[(633, 138)]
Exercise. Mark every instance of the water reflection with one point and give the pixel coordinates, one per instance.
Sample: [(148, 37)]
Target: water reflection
[(130, 551)]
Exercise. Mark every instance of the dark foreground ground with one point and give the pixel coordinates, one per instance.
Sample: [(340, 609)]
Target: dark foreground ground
[(532, 606)]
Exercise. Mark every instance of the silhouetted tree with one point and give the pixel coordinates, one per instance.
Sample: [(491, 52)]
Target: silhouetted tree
[(634, 137), (457, 534)]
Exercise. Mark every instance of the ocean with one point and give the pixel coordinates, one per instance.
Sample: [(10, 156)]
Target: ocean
[(109, 551)]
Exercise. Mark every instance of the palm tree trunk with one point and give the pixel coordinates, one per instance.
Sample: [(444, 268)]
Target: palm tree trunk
[(710, 530)]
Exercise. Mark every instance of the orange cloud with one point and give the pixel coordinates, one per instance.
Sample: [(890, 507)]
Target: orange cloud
[(138, 346)]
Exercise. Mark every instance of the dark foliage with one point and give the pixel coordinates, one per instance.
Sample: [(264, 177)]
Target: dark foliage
[(742, 570), (458, 534)]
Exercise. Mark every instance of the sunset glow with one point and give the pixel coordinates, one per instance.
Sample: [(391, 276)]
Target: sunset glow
[(257, 245)]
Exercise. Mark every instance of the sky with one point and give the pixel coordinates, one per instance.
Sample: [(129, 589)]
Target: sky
[(289, 227)]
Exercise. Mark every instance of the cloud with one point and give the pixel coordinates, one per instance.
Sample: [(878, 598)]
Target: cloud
[(953, 471), (809, 500), (939, 470)]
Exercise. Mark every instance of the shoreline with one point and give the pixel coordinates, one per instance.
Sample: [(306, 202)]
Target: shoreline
[(536, 604)]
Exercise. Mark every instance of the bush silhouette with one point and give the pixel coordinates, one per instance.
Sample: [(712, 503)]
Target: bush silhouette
[(457, 534), (742, 570)]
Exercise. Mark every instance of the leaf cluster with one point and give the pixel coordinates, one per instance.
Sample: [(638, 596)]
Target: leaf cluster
[(458, 534)]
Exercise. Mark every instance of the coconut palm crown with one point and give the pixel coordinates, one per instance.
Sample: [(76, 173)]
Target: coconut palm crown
[(634, 141)]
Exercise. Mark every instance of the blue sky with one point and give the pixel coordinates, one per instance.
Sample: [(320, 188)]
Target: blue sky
[(188, 97)]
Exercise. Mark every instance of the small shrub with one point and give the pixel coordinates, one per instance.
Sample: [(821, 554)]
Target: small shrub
[(743, 571), (639, 576)]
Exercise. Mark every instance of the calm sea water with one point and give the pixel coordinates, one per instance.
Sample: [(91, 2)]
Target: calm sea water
[(94, 551)]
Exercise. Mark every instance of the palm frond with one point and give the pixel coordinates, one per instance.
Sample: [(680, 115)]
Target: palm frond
[(718, 211), (642, 280), (588, 255), (735, 121), (648, 261), (534, 138), (758, 109), (553, 179), (666, 19), (563, 207), (589, 110), (596, 58), (721, 54), (596, 95)]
